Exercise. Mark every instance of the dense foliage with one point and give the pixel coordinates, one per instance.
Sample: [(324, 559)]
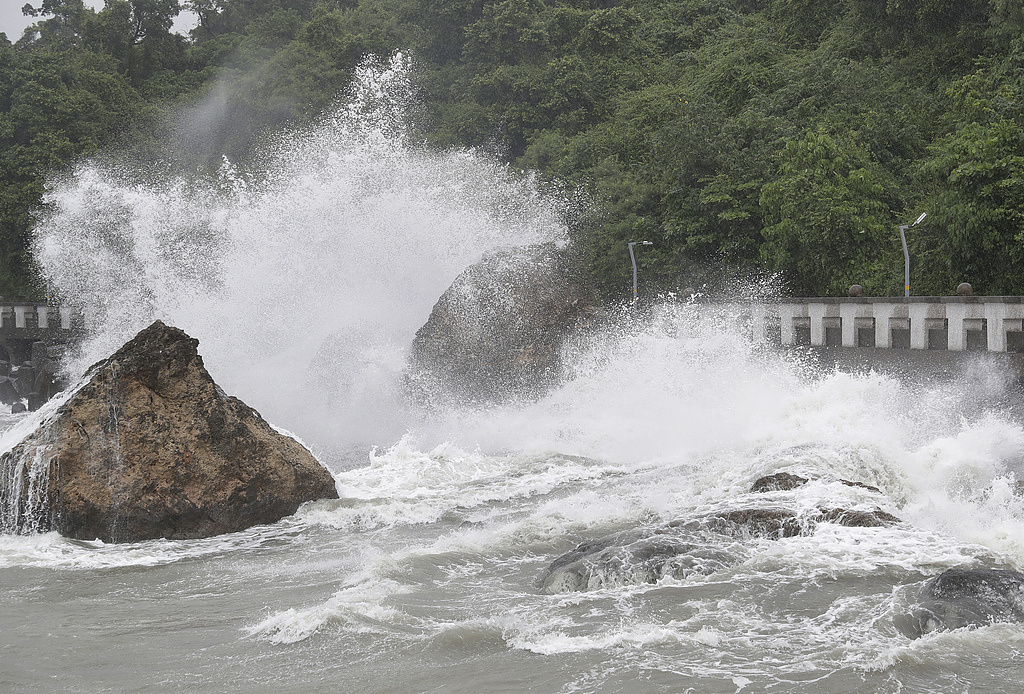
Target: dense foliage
[(788, 136)]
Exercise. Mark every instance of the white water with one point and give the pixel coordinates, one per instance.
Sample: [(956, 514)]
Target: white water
[(305, 279), (305, 276)]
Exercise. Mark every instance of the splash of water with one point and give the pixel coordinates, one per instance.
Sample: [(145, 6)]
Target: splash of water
[(305, 275), (25, 485), (305, 278)]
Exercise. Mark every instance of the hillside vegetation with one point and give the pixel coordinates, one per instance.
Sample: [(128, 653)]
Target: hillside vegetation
[(747, 136)]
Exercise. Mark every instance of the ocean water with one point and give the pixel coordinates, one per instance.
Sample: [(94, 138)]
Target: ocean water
[(305, 277)]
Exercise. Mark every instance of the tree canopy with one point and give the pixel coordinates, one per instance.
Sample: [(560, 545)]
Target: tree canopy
[(782, 136)]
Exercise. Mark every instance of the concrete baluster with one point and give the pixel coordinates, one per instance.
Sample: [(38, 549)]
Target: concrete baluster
[(787, 312), (955, 315), (883, 334), (848, 315), (758, 328), (1013, 319), (816, 312), (918, 326), (994, 314)]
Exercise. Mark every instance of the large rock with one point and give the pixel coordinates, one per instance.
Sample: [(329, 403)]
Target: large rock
[(496, 333), (151, 447), (959, 598)]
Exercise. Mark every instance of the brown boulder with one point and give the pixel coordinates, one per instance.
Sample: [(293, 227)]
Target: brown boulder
[(151, 447), (496, 333)]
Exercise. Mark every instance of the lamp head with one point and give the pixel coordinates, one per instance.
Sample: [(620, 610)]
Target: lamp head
[(921, 218)]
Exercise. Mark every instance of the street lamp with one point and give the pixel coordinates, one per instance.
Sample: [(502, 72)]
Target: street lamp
[(906, 254), (632, 259)]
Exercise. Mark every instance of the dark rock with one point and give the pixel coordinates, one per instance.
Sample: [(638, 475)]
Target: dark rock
[(8, 393), (150, 447), (695, 546), (496, 333), (965, 598), (638, 557), (870, 488), (857, 519), (39, 353), (780, 481), (775, 524), (772, 524), (784, 481), (35, 401), (45, 385), (24, 380)]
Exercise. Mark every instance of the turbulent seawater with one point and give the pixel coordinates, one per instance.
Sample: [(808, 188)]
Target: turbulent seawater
[(305, 280)]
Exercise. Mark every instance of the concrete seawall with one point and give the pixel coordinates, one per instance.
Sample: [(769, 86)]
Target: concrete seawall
[(954, 323)]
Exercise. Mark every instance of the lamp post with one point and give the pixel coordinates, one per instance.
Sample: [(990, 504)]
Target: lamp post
[(632, 259), (906, 254)]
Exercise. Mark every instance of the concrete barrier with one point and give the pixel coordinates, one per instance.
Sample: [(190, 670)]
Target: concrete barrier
[(955, 323)]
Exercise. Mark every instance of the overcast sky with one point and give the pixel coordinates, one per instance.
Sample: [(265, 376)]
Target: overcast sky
[(13, 22)]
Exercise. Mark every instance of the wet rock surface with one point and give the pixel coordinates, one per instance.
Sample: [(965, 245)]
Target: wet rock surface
[(780, 481), (151, 447), (496, 333), (695, 546), (857, 519), (33, 381), (638, 557), (784, 481), (960, 598)]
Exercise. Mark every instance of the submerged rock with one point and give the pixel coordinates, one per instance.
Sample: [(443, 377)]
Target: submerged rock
[(772, 524), (688, 547), (965, 598), (857, 519), (869, 487), (638, 557), (780, 481), (784, 481), (497, 331), (151, 447)]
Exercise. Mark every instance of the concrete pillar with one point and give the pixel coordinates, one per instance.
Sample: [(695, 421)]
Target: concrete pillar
[(918, 326), (787, 312), (955, 315), (848, 314), (1012, 313), (816, 312), (758, 329), (42, 319), (883, 312), (994, 314), (19, 316), (65, 318)]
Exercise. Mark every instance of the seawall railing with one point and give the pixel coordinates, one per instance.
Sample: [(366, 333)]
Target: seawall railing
[(37, 320), (955, 323)]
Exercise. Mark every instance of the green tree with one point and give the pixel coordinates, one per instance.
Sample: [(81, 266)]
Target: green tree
[(976, 233), (828, 216)]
